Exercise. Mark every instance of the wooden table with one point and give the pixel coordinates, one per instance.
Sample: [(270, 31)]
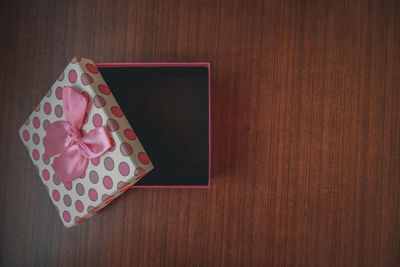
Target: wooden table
[(305, 133)]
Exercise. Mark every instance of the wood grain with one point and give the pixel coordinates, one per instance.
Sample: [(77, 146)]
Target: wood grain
[(305, 133)]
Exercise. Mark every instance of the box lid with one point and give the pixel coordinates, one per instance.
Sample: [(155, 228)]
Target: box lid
[(106, 176)]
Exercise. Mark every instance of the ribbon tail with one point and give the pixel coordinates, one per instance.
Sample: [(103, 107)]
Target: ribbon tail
[(95, 143), (70, 164)]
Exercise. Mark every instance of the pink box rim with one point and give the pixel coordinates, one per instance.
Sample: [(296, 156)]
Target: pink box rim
[(175, 64)]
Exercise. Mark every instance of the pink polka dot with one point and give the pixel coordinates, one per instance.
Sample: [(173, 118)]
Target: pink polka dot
[(85, 94), (72, 76), (117, 111), (86, 79), (97, 120), (90, 209), (56, 180), (45, 159), (123, 168), (92, 68), (126, 149), (82, 175), (93, 194), (107, 182), (99, 101), (58, 111), (35, 138), (44, 141), (27, 121), (66, 216), (80, 189), (112, 148), (95, 161), (56, 195), (25, 135), (112, 125), (94, 177), (61, 77), (59, 92), (143, 158), (47, 108), (139, 171), (67, 200), (104, 89), (130, 134), (46, 123), (75, 60), (79, 205), (46, 174), (68, 186), (121, 185), (35, 154), (109, 163), (36, 122), (105, 197), (48, 94)]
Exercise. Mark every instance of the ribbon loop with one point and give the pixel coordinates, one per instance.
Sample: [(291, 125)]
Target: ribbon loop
[(65, 138), (74, 105)]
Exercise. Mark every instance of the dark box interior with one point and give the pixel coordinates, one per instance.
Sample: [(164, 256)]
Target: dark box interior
[(167, 108)]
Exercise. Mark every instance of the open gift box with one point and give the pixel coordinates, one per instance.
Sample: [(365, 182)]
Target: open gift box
[(168, 106)]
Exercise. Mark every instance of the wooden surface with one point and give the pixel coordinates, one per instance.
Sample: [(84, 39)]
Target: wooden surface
[(305, 133)]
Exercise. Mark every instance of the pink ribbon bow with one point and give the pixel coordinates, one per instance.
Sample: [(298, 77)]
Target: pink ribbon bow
[(66, 139)]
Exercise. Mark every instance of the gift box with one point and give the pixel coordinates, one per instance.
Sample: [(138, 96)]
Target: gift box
[(169, 106), (78, 128)]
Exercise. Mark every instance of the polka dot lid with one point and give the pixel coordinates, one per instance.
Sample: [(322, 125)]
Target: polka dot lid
[(107, 176)]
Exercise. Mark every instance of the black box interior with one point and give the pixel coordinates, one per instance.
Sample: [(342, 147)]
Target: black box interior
[(168, 108)]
